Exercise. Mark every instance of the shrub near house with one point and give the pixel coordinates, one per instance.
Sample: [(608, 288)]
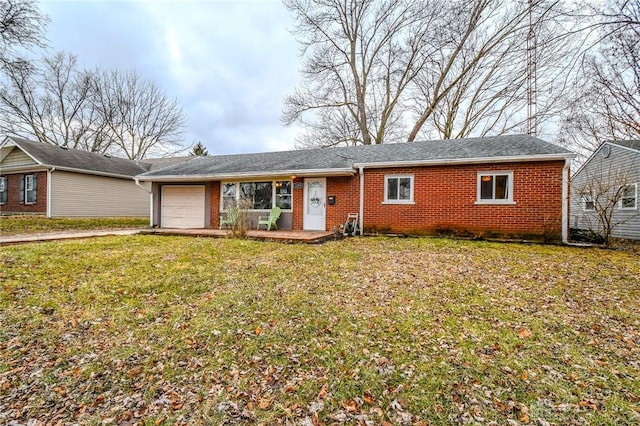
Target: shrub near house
[(604, 202)]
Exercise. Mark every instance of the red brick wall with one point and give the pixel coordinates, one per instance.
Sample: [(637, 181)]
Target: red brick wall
[(346, 189), (444, 202), (445, 199), (13, 204), (215, 204), (298, 204)]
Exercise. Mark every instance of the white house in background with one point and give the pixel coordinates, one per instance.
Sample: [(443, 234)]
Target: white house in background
[(608, 183)]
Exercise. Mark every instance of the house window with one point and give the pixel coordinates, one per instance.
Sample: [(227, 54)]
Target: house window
[(257, 195), (629, 200), (398, 189), (30, 189), (588, 204), (4, 189), (283, 194), (495, 188), (229, 194)]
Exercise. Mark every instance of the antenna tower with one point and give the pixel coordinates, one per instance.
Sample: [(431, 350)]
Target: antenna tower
[(532, 85)]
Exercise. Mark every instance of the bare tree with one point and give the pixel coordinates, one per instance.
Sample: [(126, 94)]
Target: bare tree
[(606, 101), (21, 26), (479, 81), (360, 56), (139, 118), (52, 100), (452, 68), (603, 195)]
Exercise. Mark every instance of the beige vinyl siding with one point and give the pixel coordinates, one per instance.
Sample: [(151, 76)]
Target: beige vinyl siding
[(17, 157), (81, 195)]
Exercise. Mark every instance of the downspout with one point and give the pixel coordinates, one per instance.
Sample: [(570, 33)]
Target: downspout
[(49, 186), (361, 214), (137, 182), (565, 201)]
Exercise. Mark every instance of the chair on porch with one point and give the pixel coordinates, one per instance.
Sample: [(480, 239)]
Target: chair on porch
[(271, 220)]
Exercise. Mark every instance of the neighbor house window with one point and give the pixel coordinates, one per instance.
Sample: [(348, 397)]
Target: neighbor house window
[(495, 188), (30, 189), (257, 195), (629, 200), (588, 204), (398, 189), (4, 189)]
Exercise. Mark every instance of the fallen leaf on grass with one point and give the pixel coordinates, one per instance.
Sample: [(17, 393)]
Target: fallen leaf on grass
[(368, 398), (323, 392), (524, 333)]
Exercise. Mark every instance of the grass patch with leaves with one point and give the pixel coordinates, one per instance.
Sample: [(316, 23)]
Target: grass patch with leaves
[(22, 225), (148, 329)]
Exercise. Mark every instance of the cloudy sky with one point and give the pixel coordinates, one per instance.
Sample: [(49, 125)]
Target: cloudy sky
[(229, 63)]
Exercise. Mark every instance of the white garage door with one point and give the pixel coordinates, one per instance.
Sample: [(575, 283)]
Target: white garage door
[(183, 206)]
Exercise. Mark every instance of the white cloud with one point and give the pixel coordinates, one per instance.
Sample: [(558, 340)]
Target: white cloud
[(230, 64)]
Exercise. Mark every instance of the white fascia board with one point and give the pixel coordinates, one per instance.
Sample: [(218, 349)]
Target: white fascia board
[(591, 157), (93, 172), (597, 151), (478, 160), (249, 175), (621, 146), (43, 167)]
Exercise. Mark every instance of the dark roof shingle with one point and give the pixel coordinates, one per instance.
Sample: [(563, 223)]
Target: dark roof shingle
[(55, 156), (520, 146)]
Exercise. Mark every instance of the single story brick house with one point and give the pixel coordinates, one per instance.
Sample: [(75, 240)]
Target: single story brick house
[(512, 186), (44, 179)]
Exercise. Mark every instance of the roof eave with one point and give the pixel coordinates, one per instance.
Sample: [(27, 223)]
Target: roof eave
[(248, 175), (52, 167), (92, 172), (476, 160)]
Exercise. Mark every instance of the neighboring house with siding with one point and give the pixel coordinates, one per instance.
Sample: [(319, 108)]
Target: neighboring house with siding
[(505, 186), (39, 178), (606, 185)]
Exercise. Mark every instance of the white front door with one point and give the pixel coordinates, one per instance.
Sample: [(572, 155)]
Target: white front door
[(314, 204)]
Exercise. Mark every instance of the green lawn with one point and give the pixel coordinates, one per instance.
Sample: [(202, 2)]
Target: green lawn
[(172, 330), (18, 225)]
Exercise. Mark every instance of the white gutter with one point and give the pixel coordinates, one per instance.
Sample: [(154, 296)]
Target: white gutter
[(361, 215), (35, 167), (49, 186), (137, 182), (475, 160), (249, 175), (565, 201)]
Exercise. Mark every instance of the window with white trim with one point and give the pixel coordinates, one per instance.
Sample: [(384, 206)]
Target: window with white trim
[(588, 203), (30, 189), (257, 195), (4, 189), (283, 194), (398, 189), (495, 188), (629, 200)]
